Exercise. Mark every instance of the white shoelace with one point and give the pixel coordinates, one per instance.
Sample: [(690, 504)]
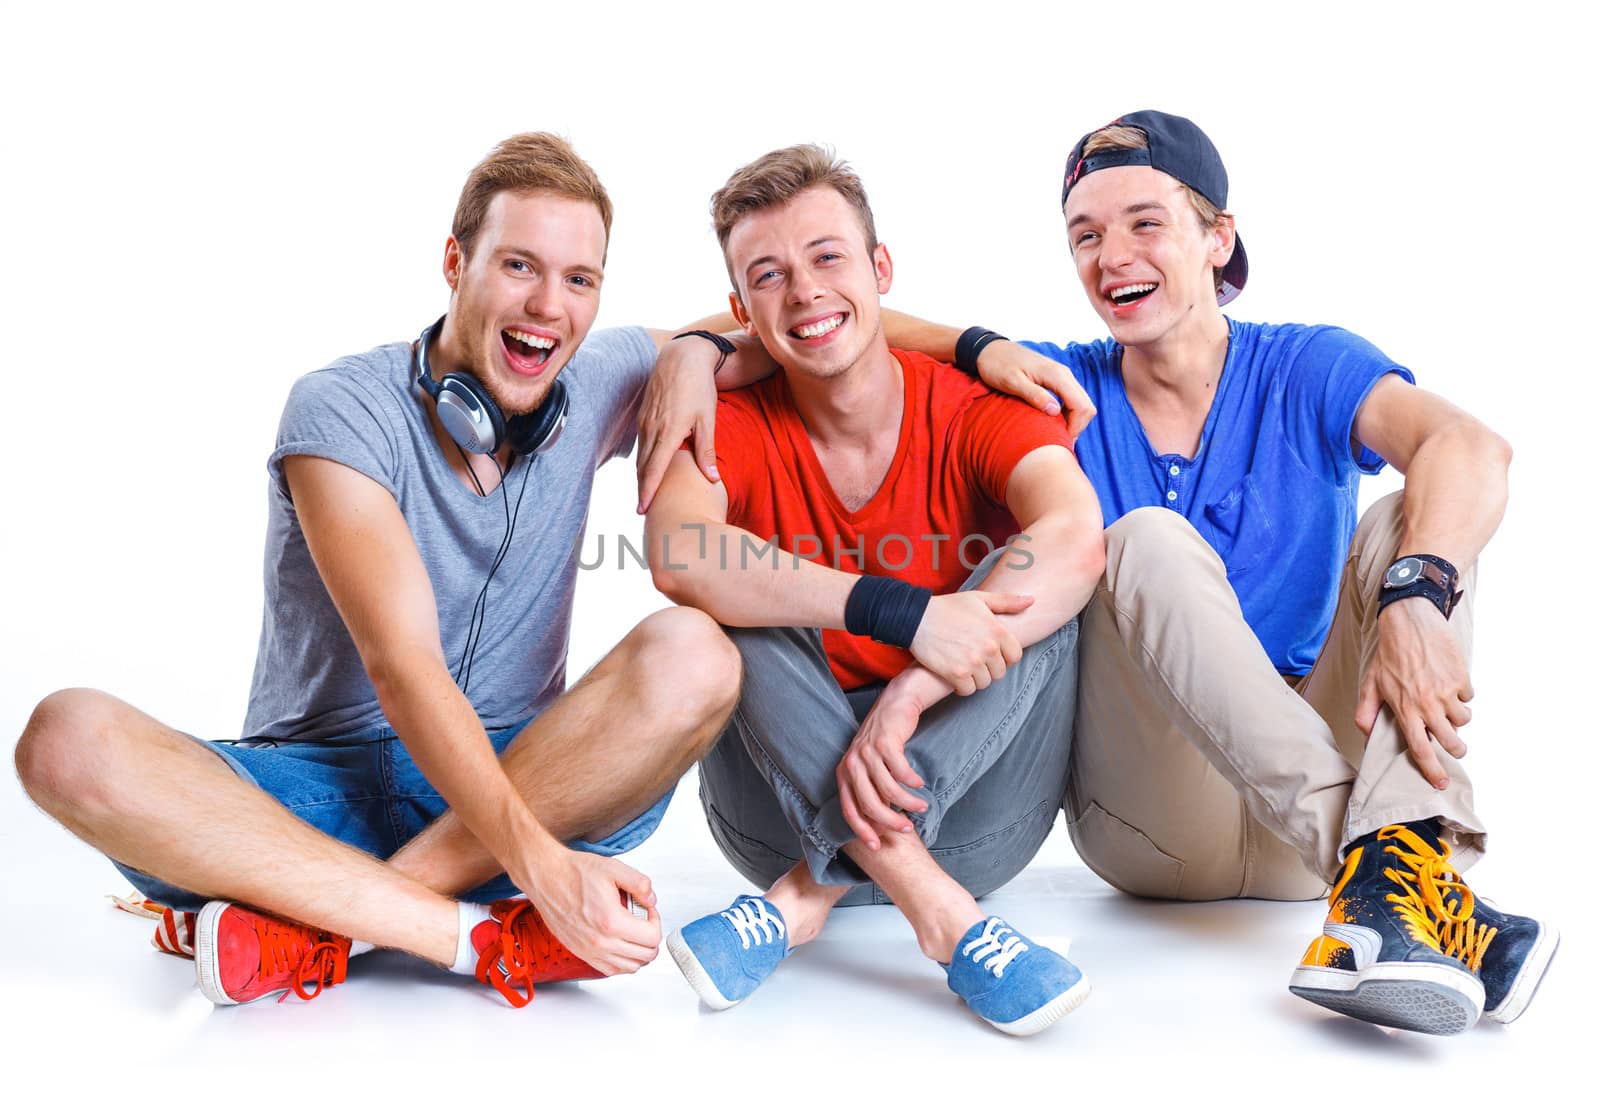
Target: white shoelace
[(752, 917), (992, 949)]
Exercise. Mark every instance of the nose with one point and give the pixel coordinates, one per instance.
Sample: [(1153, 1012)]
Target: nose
[(803, 285), (543, 299), (1116, 250)]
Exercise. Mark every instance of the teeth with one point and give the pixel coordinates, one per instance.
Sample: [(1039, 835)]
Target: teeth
[(533, 340), (1126, 290), (819, 328)]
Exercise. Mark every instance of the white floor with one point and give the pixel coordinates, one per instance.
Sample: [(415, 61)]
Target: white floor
[(1191, 995)]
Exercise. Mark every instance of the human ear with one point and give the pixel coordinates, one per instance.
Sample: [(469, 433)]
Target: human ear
[(883, 266), (453, 259), (741, 315)]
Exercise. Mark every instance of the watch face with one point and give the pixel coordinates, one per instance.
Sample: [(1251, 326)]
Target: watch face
[(1402, 572)]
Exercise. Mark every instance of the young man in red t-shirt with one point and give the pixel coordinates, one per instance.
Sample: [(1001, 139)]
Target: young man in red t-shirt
[(856, 546)]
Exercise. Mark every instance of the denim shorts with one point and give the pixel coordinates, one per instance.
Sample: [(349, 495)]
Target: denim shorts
[(363, 788)]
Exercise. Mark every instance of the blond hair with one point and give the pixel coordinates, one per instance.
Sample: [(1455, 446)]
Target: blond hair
[(524, 163), (778, 178)]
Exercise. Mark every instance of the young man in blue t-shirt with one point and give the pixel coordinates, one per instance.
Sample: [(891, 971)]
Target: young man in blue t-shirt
[(1270, 695)]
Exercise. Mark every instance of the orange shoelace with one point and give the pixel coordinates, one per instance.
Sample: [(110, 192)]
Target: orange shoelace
[(310, 954), (1436, 904)]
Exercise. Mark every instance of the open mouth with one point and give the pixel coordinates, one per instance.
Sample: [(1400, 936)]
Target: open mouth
[(526, 350), (818, 328), (1130, 294)]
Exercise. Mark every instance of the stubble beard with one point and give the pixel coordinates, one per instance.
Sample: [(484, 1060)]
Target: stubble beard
[(481, 364)]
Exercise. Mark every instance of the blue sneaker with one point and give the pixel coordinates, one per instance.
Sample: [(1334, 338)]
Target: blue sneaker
[(726, 956), (1013, 983)]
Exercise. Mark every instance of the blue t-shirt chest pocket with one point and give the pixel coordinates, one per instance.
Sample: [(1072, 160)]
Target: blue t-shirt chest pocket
[(1238, 525)]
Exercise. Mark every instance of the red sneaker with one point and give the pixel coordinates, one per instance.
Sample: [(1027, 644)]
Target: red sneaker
[(517, 951), (242, 955)]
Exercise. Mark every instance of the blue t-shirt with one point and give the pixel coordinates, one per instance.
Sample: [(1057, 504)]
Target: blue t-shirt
[(1272, 486)]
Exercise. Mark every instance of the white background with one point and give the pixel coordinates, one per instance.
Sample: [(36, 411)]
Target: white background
[(202, 202)]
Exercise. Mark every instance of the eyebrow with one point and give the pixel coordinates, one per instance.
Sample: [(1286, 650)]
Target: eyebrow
[(1138, 207), (818, 242)]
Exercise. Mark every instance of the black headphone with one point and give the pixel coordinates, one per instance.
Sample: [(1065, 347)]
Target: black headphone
[(472, 418)]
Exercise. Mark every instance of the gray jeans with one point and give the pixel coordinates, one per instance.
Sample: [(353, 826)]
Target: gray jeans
[(993, 764)]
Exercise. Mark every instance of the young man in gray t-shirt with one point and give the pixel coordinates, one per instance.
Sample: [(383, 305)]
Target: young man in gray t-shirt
[(413, 630)]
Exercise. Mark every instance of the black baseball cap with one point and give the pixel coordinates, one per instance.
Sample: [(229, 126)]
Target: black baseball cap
[(1178, 148)]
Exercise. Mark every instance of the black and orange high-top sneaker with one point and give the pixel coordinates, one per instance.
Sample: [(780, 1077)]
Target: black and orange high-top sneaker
[(1379, 957), (1507, 952)]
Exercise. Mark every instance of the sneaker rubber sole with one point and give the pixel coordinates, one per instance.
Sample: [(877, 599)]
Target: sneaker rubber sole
[(1427, 998), (207, 975), (1042, 1017), (694, 973), (1530, 977)]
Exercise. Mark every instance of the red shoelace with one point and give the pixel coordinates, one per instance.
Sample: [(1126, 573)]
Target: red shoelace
[(526, 953), (311, 955)]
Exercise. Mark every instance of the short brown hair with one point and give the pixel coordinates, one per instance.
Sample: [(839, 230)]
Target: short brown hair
[(526, 162), (1126, 136), (778, 178)]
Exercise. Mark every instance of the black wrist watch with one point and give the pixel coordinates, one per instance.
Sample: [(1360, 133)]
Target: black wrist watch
[(1420, 576)]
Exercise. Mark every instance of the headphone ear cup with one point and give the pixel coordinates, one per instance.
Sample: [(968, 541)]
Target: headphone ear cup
[(469, 414), (538, 430)]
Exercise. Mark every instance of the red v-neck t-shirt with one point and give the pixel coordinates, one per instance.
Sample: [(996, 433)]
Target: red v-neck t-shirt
[(939, 511)]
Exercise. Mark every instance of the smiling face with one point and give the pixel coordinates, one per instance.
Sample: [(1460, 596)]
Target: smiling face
[(806, 283), (525, 295), (1142, 254)]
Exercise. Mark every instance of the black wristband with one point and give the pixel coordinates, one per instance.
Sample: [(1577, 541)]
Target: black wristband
[(724, 345), (970, 345), (1443, 603), (886, 609), (1444, 599)]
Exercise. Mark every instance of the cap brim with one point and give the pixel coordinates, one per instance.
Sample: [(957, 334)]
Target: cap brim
[(1234, 274)]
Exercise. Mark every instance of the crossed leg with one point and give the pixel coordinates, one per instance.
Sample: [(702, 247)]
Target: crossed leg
[(995, 770), (152, 797)]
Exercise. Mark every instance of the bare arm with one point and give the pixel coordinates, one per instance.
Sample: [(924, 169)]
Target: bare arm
[(1004, 366), (1455, 468), (1059, 556), (698, 559), (681, 399), (1455, 496), (370, 565)]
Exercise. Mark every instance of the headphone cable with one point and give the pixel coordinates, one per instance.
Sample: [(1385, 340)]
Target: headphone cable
[(480, 609)]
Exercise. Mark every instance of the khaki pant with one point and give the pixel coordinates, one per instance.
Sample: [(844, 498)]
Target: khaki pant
[(1200, 773)]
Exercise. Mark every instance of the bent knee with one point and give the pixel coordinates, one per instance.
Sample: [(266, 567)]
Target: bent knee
[(1146, 524), (1376, 540), (1158, 550), (59, 755), (684, 663)]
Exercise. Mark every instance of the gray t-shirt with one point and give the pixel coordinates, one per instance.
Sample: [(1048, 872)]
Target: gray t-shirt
[(366, 412)]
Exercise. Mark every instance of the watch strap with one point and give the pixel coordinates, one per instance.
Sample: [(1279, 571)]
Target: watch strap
[(1436, 582)]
